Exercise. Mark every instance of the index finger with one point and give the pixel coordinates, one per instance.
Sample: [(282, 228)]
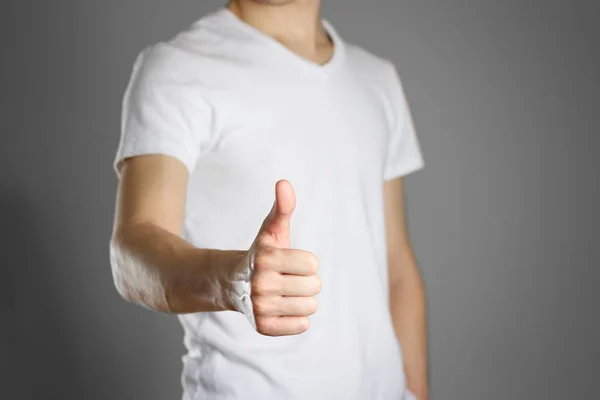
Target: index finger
[(291, 261)]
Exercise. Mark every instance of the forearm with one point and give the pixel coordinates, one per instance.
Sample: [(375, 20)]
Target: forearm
[(159, 270), (407, 305)]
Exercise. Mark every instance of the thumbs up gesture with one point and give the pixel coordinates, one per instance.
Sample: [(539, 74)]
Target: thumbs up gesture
[(284, 281)]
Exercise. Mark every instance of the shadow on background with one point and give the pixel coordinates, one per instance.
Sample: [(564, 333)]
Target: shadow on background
[(69, 335), (66, 334), (42, 358)]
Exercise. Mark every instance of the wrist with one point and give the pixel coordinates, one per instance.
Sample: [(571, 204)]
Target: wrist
[(231, 272), (204, 283)]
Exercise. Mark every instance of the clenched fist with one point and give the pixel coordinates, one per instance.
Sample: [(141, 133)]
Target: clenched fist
[(284, 281)]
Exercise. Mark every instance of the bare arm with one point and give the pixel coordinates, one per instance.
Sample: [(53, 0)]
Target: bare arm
[(152, 265), (407, 294)]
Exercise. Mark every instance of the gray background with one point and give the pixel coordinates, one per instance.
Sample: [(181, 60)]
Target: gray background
[(504, 217)]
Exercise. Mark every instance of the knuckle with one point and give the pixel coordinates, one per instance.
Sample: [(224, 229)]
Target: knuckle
[(261, 326), (257, 285), (262, 284), (269, 251), (260, 262), (263, 258), (260, 306), (266, 326)]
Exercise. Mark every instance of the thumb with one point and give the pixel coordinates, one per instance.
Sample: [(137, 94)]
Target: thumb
[(276, 226)]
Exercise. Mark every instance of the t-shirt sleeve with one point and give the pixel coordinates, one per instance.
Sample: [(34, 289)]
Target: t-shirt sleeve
[(403, 153), (162, 112)]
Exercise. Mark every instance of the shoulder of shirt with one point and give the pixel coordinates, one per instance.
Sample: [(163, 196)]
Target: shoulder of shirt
[(370, 63), (184, 50)]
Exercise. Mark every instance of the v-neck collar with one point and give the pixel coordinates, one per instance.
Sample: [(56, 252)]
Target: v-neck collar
[(326, 68)]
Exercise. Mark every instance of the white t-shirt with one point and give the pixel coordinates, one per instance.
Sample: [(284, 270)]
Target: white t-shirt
[(242, 111)]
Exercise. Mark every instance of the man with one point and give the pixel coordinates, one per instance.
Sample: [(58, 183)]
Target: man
[(258, 112)]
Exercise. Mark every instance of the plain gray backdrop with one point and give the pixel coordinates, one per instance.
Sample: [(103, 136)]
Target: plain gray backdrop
[(504, 218)]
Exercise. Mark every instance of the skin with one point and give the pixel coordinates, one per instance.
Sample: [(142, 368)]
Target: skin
[(407, 293), (294, 23), (157, 269), (284, 283), (153, 266)]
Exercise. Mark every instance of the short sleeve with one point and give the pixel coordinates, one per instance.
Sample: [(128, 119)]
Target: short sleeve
[(403, 153), (162, 110)]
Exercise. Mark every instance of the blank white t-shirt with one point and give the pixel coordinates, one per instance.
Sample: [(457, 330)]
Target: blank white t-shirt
[(242, 111)]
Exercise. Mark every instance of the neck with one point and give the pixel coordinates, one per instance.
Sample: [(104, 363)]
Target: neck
[(295, 23)]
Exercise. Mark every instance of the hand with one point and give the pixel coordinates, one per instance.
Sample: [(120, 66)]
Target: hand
[(284, 281)]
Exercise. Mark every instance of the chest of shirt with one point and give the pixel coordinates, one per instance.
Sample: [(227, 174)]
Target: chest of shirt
[(327, 138), (291, 126)]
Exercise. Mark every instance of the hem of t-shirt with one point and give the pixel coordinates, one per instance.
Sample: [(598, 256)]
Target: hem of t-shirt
[(405, 168), (128, 151)]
